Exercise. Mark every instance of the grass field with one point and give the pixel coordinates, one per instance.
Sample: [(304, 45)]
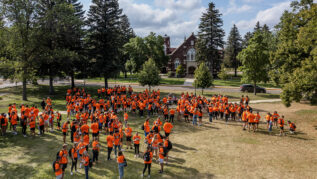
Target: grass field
[(216, 150), (133, 79)]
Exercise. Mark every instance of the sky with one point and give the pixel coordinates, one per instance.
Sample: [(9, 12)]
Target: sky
[(179, 18)]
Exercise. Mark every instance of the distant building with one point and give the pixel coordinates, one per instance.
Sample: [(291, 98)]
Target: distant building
[(184, 55)]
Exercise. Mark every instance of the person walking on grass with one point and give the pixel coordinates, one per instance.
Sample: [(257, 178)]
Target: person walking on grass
[(63, 155), (4, 124), (65, 130), (58, 168), (95, 150), (136, 141), (161, 157), (128, 134), (121, 164), (85, 162), (281, 123), (147, 157), (251, 120), (110, 140), (74, 156)]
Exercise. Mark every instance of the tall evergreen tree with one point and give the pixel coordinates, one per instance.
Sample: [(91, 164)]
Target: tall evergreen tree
[(104, 37), (74, 36), (246, 39), (234, 46), (126, 33), (257, 27), (55, 21), (210, 38)]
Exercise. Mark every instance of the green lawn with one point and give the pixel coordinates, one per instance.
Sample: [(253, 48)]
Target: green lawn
[(236, 82), (211, 150), (133, 79)]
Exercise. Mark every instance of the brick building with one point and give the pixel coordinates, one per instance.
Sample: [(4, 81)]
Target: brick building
[(184, 55)]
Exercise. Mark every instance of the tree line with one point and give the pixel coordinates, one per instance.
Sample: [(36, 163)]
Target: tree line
[(285, 55)]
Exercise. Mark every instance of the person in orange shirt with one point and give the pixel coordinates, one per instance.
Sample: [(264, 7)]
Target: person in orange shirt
[(125, 117), (110, 140), (161, 157), (58, 168), (147, 157), (95, 130), (136, 141), (146, 127), (275, 116), (251, 120), (200, 117), (117, 146), (63, 155), (257, 120), (167, 128), (172, 113), (121, 164), (268, 118), (210, 112), (32, 125), (4, 123), (95, 150), (74, 156), (14, 122), (128, 134), (292, 127), (165, 111), (65, 130), (85, 162), (281, 123)]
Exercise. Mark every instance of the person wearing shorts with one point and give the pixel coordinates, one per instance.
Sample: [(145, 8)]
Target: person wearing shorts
[(161, 157)]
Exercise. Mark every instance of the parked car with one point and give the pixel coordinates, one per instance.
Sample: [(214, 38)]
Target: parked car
[(250, 88)]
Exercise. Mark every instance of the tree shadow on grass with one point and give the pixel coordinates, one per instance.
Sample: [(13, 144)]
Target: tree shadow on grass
[(298, 135), (188, 172), (13, 170), (182, 147)]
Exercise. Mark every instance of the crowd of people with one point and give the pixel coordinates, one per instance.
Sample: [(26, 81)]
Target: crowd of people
[(88, 118)]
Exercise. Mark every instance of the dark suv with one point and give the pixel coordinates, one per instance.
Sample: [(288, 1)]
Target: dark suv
[(250, 88)]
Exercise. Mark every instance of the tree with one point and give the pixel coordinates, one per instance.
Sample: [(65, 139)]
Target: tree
[(295, 59), (57, 24), (203, 77), (130, 66), (180, 71), (140, 49), (149, 75), (20, 16), (255, 60), (257, 27), (223, 73), (246, 39), (233, 47), (104, 37), (210, 38), (126, 33)]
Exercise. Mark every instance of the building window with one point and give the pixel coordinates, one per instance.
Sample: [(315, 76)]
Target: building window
[(176, 63), (191, 55), (192, 42)]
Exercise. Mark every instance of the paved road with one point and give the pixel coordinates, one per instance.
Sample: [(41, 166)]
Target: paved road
[(172, 88)]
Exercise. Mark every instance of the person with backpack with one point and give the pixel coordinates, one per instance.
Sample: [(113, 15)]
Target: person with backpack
[(74, 156), (162, 154), (85, 161), (168, 146), (121, 164), (4, 123), (136, 141), (292, 127), (147, 157), (63, 155), (57, 167), (281, 123)]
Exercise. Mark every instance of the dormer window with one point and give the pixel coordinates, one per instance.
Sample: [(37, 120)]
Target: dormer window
[(191, 55)]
